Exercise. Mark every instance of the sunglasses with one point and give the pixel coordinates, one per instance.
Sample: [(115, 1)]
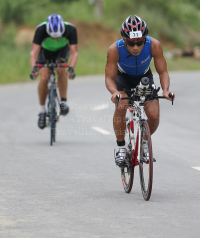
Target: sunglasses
[(139, 43)]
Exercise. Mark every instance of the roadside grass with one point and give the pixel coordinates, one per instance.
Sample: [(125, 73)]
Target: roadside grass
[(15, 63), (180, 64), (91, 61), (183, 64)]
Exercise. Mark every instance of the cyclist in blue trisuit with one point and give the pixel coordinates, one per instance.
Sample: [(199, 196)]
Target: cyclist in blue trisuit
[(128, 60), (54, 39)]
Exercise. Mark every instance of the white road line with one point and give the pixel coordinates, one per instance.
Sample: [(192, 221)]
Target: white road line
[(198, 168), (100, 130), (100, 107)]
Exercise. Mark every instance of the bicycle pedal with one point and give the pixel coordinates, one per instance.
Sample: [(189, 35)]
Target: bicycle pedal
[(154, 160)]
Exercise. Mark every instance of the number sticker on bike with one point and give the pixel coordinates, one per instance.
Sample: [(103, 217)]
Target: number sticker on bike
[(135, 34)]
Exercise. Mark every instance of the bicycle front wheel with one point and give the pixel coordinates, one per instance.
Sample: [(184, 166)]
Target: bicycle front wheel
[(127, 173), (146, 161), (52, 115)]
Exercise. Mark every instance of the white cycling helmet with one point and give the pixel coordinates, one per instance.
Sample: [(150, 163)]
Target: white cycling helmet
[(55, 25)]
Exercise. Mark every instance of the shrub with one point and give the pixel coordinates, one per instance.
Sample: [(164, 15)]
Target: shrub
[(13, 11), (63, 1)]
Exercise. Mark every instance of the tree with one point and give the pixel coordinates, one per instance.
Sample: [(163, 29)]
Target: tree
[(98, 7)]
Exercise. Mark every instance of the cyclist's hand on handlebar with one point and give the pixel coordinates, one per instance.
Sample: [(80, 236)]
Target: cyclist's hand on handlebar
[(169, 95), (34, 74), (71, 73), (121, 95)]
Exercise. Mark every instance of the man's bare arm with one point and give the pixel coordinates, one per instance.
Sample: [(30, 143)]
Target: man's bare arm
[(111, 68), (161, 67), (73, 55), (34, 54), (111, 72)]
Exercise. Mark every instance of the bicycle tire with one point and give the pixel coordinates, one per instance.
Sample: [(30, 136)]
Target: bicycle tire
[(52, 115), (55, 120), (146, 167), (127, 173)]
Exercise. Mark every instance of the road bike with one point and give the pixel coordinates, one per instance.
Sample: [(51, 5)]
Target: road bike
[(53, 104), (138, 137)]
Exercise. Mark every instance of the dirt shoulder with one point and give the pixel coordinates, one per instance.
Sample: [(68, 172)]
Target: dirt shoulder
[(88, 33)]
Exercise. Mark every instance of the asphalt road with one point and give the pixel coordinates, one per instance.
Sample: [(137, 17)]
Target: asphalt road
[(73, 189)]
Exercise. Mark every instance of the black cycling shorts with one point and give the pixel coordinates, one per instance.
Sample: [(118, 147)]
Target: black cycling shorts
[(128, 81), (62, 53)]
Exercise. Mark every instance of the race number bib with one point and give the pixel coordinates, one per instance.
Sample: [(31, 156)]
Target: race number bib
[(135, 34)]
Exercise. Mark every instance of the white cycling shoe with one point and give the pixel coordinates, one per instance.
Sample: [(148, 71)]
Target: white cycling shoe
[(121, 157)]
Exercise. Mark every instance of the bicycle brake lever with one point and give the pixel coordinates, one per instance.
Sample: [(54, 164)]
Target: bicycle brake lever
[(171, 95), (117, 99), (158, 89)]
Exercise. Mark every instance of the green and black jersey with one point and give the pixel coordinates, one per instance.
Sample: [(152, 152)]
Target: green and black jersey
[(42, 38)]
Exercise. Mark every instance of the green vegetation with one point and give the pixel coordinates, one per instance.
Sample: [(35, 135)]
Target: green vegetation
[(14, 65), (13, 11), (172, 20), (177, 22)]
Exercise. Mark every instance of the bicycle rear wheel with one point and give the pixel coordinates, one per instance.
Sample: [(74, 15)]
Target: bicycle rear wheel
[(52, 115), (146, 163), (127, 173)]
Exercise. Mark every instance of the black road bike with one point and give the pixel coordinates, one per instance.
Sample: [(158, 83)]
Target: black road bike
[(53, 104)]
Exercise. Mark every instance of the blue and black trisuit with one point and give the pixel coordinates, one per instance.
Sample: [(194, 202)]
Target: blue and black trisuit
[(132, 68)]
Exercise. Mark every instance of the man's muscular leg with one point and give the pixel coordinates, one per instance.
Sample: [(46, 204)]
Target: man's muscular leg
[(119, 120), (62, 85), (62, 82), (153, 113), (42, 93), (42, 86), (119, 123)]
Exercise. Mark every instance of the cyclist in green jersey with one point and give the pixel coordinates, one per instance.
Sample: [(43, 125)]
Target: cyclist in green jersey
[(54, 40)]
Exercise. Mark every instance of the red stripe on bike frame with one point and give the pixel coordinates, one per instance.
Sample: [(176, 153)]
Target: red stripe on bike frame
[(136, 150), (132, 125)]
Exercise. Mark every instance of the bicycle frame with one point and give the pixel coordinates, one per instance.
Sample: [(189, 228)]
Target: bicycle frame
[(136, 116), (53, 83)]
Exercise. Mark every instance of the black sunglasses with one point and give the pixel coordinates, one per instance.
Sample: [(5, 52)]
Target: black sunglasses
[(131, 43)]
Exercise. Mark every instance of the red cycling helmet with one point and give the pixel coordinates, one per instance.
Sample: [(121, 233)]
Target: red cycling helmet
[(134, 29)]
